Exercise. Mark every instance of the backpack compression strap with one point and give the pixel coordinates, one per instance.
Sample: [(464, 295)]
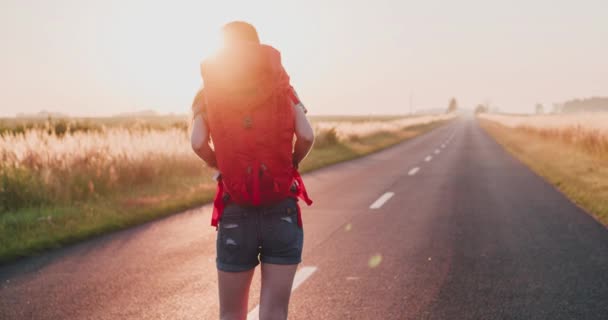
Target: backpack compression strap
[(218, 203)]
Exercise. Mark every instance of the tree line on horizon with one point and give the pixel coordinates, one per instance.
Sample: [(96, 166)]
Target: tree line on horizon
[(593, 104)]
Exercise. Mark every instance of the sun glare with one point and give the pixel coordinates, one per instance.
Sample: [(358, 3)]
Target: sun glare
[(176, 47)]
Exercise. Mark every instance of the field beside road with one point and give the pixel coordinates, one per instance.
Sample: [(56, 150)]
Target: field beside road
[(570, 151), (69, 179)]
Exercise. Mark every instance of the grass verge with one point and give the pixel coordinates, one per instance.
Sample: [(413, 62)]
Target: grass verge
[(580, 175), (29, 231)]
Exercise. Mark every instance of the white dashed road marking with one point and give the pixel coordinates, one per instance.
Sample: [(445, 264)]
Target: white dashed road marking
[(437, 151), (301, 276), (428, 158), (413, 171), (382, 200)]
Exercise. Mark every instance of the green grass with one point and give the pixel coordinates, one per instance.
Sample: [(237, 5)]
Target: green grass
[(579, 174), (31, 230)]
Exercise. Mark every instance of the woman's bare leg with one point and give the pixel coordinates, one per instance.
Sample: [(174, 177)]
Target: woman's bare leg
[(276, 289), (234, 293)]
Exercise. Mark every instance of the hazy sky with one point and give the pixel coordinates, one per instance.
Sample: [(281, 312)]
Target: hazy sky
[(101, 57)]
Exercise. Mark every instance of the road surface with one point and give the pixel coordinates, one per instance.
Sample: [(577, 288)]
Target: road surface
[(444, 226)]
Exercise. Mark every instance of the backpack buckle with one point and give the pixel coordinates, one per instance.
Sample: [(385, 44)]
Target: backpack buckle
[(247, 122)]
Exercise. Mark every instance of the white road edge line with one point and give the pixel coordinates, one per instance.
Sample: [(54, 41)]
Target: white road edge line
[(413, 171), (382, 200), (428, 158), (301, 276)]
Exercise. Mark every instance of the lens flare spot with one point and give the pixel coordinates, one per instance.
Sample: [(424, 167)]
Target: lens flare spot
[(374, 261)]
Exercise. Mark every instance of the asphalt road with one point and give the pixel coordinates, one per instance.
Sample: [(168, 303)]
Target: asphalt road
[(459, 230)]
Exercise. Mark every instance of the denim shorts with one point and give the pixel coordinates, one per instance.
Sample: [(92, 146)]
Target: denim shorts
[(248, 235)]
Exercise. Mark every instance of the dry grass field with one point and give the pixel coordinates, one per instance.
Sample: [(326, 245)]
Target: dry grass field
[(586, 131), (570, 151)]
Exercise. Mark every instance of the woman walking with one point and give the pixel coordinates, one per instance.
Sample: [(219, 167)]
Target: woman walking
[(250, 112)]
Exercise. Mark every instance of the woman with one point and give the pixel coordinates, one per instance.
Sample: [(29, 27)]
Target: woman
[(251, 113)]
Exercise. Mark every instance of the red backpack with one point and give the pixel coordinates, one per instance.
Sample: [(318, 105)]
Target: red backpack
[(251, 122)]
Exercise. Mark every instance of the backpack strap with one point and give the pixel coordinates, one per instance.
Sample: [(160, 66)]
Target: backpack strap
[(301, 193), (218, 203)]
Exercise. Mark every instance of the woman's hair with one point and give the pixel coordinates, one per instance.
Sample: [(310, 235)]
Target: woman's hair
[(238, 32)]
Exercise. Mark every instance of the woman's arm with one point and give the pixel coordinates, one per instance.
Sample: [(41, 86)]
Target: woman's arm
[(305, 135), (200, 132), (200, 141)]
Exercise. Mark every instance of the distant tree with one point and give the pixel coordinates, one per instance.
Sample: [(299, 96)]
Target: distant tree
[(594, 104), (481, 108), (540, 109), (453, 105)]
